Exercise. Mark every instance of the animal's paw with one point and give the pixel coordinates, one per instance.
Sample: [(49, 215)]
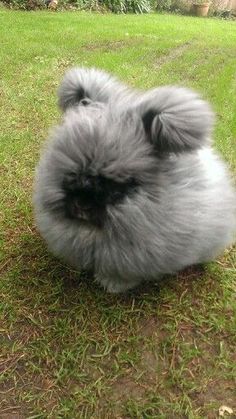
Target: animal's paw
[(116, 285)]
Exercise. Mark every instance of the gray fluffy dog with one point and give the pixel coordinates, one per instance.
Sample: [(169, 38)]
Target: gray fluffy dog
[(128, 185)]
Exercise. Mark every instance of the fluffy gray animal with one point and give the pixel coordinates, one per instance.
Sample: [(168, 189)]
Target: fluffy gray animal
[(128, 184)]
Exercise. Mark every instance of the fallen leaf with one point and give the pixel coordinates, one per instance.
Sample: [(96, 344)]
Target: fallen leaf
[(225, 410)]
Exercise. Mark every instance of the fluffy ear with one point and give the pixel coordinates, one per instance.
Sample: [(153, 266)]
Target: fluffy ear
[(175, 119), (88, 84)]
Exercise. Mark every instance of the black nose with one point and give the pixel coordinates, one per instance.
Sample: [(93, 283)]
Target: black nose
[(86, 182), (85, 101)]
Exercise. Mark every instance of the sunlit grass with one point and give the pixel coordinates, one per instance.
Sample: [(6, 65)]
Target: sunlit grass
[(68, 349)]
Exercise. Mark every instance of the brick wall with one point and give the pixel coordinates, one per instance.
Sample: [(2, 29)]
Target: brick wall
[(232, 4), (215, 4), (224, 4)]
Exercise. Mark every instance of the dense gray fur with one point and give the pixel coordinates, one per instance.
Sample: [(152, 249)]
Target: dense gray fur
[(184, 209), (97, 85)]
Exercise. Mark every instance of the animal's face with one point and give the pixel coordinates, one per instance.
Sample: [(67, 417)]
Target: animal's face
[(87, 196), (96, 161)]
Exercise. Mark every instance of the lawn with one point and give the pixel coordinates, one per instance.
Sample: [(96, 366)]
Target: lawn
[(68, 349)]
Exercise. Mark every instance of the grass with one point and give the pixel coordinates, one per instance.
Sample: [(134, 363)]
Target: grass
[(68, 350)]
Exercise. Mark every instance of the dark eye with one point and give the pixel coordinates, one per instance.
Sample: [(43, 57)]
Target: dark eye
[(70, 182), (117, 194), (85, 102)]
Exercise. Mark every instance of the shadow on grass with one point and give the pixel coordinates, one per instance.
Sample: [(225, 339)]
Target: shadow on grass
[(33, 266)]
